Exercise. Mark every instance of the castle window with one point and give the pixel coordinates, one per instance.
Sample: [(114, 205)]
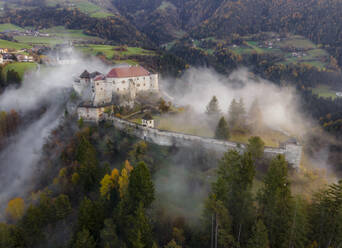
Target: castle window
[(97, 83), (138, 85), (118, 89), (123, 82), (144, 84)]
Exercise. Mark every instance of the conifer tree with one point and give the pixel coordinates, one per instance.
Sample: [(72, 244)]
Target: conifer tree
[(237, 114), (213, 110), (84, 240), (222, 130), (275, 203), (89, 170), (255, 116), (256, 147), (259, 237), (140, 187), (326, 217), (233, 187)]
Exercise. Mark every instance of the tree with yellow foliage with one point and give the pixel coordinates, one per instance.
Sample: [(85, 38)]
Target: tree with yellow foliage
[(15, 208), (124, 178), (116, 180)]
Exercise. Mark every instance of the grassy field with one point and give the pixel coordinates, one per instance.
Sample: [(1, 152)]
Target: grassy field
[(307, 52), (109, 51), (324, 91), (58, 35), (84, 6), (13, 45), (101, 14), (39, 40), (21, 68), (9, 26), (297, 42), (61, 31)]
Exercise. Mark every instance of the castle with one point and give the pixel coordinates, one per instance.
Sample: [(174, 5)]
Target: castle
[(98, 90)]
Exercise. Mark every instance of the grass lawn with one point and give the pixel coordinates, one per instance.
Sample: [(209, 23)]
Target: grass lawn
[(13, 45), (87, 7), (298, 42), (126, 61), (242, 50), (61, 31), (39, 40), (101, 14), (21, 68), (324, 91), (182, 124), (58, 35), (9, 26), (109, 51)]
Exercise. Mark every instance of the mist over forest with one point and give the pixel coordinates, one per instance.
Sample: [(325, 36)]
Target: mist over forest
[(171, 124)]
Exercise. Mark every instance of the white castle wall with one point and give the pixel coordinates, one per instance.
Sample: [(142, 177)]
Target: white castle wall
[(292, 152), (90, 113), (144, 83), (103, 93)]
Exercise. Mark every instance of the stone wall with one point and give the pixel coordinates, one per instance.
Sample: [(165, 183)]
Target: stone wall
[(292, 152)]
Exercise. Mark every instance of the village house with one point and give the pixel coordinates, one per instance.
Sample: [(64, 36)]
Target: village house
[(8, 57), (24, 58), (3, 50)]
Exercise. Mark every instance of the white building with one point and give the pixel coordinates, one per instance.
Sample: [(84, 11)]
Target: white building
[(147, 121), (128, 80)]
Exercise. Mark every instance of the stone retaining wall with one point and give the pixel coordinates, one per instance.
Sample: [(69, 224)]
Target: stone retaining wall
[(291, 151)]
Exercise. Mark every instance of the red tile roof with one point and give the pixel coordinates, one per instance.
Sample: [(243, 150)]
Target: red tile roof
[(132, 71)]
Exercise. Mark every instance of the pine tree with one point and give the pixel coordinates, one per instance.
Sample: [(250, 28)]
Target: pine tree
[(256, 147), (172, 244), (140, 187), (62, 206), (237, 114), (84, 240), (108, 234), (255, 117), (233, 113), (276, 204), (259, 237), (222, 130), (90, 217), (89, 170), (326, 216), (233, 187), (213, 110)]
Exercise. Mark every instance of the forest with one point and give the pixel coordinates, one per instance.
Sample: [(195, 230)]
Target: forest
[(100, 192)]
